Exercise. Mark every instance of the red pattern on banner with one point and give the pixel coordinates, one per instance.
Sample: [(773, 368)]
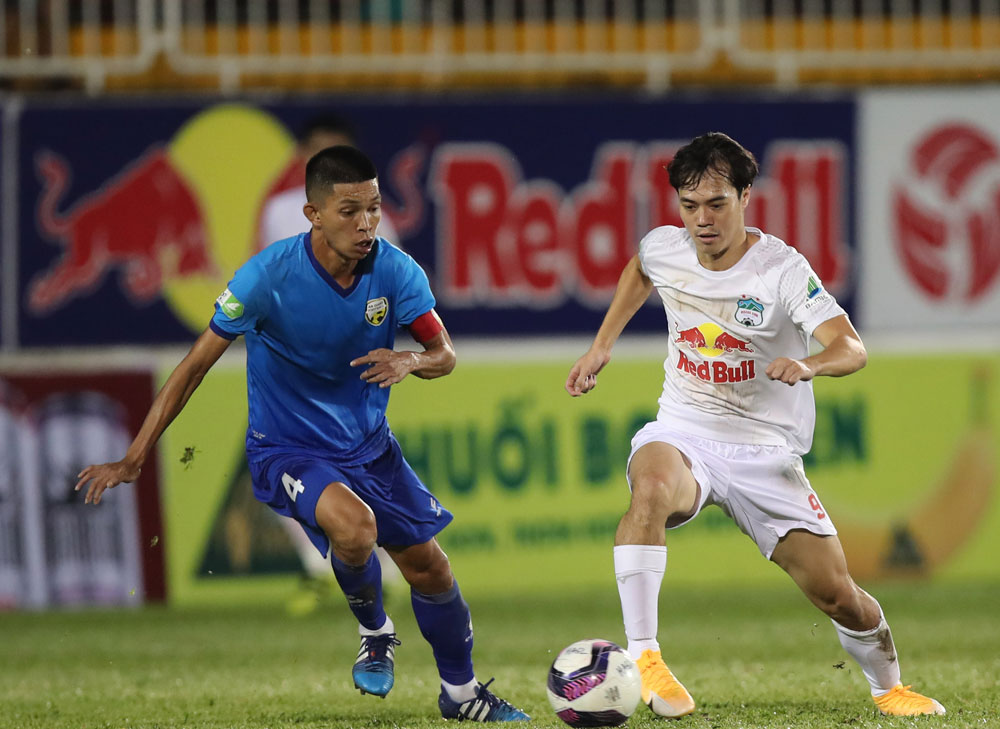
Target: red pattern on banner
[(506, 241)]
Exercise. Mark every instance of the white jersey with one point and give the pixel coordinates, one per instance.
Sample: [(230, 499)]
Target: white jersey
[(725, 328)]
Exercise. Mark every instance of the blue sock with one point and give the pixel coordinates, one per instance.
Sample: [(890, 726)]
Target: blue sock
[(446, 623), (362, 587)]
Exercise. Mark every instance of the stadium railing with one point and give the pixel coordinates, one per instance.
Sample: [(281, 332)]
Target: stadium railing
[(88, 41), (807, 41), (235, 44)]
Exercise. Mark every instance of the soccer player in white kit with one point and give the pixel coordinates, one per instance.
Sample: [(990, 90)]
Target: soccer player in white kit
[(736, 415)]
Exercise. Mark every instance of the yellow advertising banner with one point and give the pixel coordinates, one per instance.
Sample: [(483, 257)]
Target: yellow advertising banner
[(904, 460)]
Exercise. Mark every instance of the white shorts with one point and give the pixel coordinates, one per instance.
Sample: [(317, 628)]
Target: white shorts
[(763, 488)]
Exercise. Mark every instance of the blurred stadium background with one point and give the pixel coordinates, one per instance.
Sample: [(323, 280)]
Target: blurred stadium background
[(521, 146)]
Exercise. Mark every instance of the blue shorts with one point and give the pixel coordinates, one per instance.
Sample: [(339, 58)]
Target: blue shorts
[(406, 513)]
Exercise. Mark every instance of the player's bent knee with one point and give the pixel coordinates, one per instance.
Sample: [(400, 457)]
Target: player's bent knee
[(354, 547), (352, 532), (340, 509), (657, 497)]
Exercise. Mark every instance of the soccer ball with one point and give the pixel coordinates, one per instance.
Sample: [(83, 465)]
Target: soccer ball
[(593, 683)]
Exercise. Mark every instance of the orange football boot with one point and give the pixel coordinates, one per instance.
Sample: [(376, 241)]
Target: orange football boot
[(661, 692), (903, 702)]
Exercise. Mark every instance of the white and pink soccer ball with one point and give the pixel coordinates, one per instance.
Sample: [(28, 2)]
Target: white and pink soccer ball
[(593, 683)]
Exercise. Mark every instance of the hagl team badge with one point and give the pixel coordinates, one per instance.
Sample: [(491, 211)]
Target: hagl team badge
[(749, 311), (376, 310)]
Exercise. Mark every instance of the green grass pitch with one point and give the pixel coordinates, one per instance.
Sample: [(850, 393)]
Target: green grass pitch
[(751, 657)]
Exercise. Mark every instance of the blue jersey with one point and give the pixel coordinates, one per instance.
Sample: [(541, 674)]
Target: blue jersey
[(302, 330)]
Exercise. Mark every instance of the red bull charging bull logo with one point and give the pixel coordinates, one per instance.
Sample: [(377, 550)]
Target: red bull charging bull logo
[(174, 224), (123, 225), (711, 340), (177, 221)]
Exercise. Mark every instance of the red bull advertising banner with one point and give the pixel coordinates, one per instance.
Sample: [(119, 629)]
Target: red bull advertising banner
[(131, 217), (930, 208)]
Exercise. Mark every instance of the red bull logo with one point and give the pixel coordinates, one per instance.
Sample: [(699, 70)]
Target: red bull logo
[(145, 223), (947, 213), (174, 224), (711, 340), (692, 337), (504, 240)]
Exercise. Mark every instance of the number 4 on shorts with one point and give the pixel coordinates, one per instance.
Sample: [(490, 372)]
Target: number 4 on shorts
[(293, 486)]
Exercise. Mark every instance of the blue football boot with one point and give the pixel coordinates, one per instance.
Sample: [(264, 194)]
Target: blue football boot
[(373, 670), (486, 706)]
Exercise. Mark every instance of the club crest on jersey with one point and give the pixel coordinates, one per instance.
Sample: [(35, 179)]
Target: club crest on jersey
[(376, 309), (749, 311)]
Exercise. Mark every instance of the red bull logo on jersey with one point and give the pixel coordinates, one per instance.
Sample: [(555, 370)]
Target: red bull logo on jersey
[(718, 372), (710, 340)]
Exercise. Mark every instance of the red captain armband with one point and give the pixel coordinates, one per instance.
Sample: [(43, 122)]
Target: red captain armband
[(426, 326)]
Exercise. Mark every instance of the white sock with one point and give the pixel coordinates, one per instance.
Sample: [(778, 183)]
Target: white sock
[(461, 693), (875, 653), (639, 571), (387, 627)]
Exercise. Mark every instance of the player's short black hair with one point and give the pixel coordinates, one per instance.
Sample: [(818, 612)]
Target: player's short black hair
[(717, 153), (335, 166), (329, 124)]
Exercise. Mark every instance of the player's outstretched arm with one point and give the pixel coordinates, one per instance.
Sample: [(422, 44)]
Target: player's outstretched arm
[(168, 403), (633, 289), (843, 353), (387, 367)]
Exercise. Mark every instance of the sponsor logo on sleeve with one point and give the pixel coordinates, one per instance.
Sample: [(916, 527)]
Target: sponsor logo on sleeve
[(230, 305), (816, 295)]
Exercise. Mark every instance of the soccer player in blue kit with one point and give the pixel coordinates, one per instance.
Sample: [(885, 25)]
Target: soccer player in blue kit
[(319, 313)]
